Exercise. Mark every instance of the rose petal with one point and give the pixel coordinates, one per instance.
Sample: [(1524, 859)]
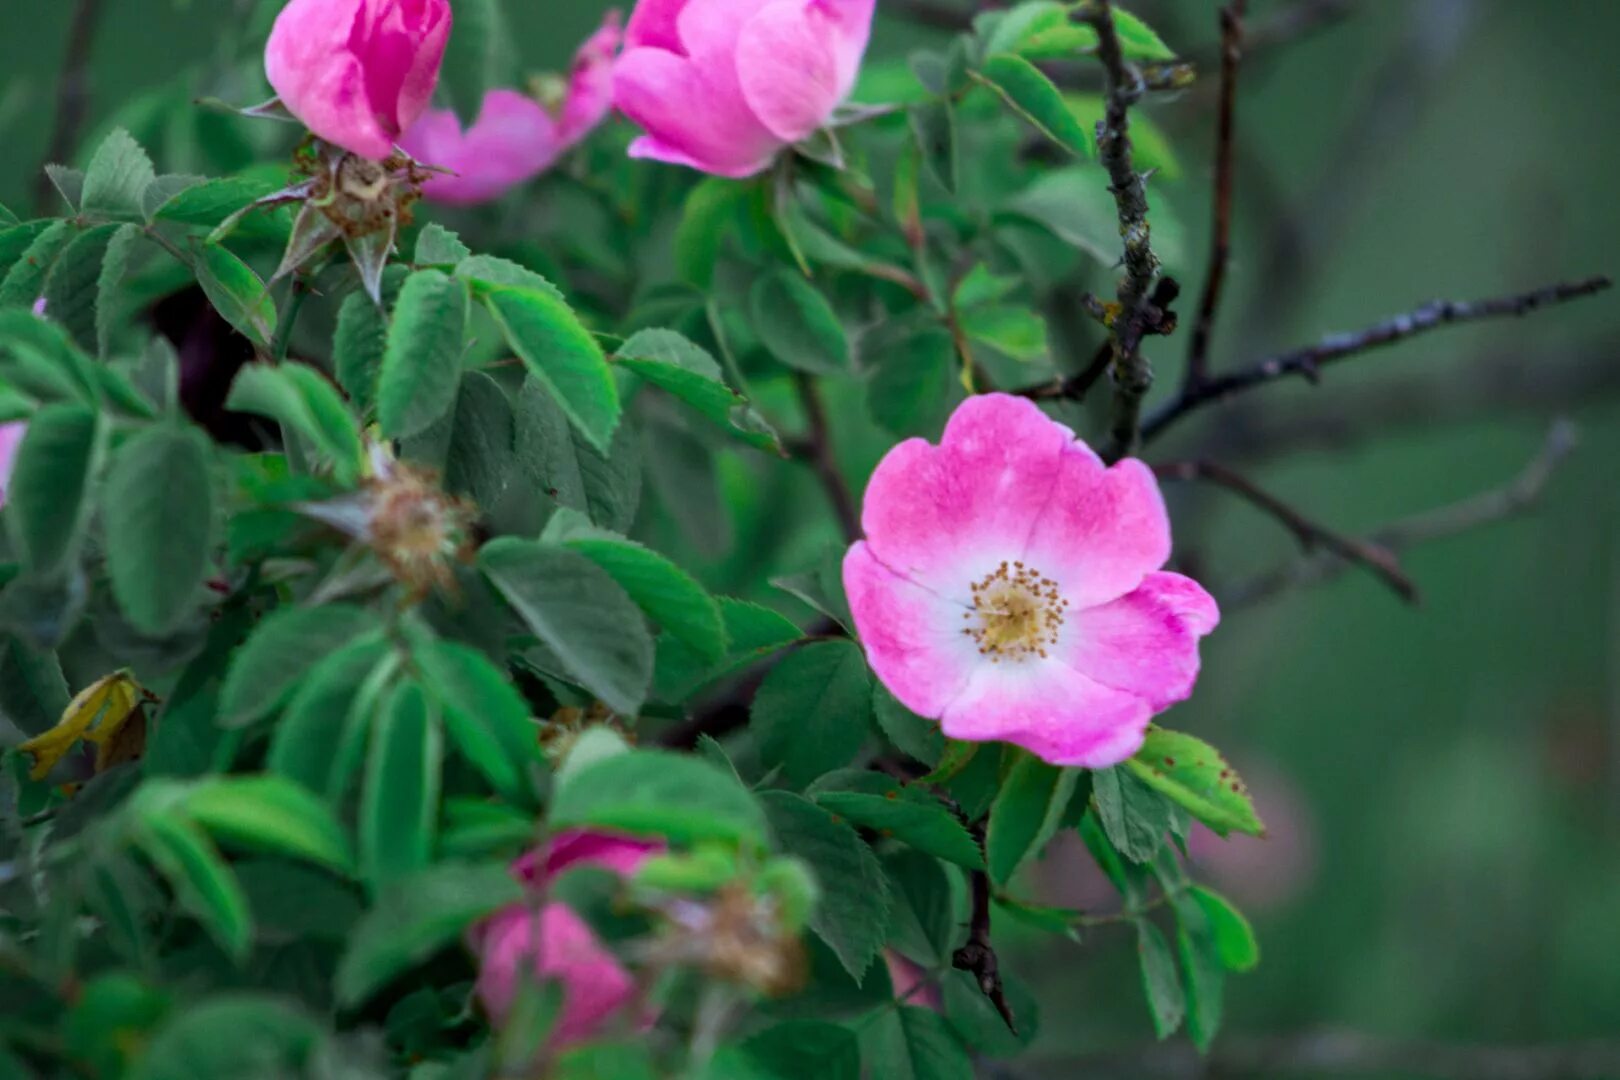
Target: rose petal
[(590, 83), (694, 114), (512, 141), (1102, 531), (1146, 642), (654, 25), (553, 944), (1051, 710), (787, 68)]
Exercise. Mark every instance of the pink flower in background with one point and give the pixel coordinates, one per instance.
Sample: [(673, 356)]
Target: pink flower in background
[(1262, 873), (358, 72), (11, 436), (515, 138), (1009, 586), (724, 85), (548, 941)]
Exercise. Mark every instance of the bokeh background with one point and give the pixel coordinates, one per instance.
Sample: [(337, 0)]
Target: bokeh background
[(1444, 780)]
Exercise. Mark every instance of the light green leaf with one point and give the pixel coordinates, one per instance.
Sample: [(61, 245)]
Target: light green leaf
[(116, 180), (578, 612), (1235, 942), (320, 737), (1008, 328), (158, 515), (1151, 148), (421, 366), (1031, 95), (201, 880), (1138, 40), (1027, 811), (357, 350), (671, 362), (561, 354), (438, 246), (212, 201), (301, 400), (797, 325), (271, 814), (285, 646), (399, 802), (813, 712), (1192, 773), (852, 911), (48, 499), (237, 293), (24, 282), (657, 793), (487, 719)]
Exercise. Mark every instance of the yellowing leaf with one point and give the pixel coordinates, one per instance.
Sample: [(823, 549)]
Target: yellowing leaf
[(97, 715)]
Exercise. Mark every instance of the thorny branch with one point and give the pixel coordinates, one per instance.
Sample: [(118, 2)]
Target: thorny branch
[(977, 956), (1133, 375), (1483, 509), (1220, 250), (1376, 557), (1308, 362)]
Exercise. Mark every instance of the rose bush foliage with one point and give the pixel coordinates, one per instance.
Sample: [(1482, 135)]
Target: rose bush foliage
[(447, 638)]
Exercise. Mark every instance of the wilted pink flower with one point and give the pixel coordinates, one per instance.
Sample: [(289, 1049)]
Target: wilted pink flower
[(1009, 586), (358, 72), (548, 941), (514, 138), (724, 85), (11, 436)]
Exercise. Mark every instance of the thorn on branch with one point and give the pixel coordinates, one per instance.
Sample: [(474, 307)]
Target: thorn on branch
[(978, 957)]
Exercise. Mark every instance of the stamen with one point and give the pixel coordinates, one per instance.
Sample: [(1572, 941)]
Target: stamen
[(1017, 613)]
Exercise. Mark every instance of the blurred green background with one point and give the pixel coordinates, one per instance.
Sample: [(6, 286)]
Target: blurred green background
[(1451, 772)]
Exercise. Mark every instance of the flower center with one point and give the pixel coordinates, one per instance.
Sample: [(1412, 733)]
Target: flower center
[(1017, 613)]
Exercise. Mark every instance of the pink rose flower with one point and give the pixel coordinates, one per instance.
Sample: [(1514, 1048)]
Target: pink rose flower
[(11, 437), (724, 85), (548, 941), (358, 72), (514, 138), (1009, 586)]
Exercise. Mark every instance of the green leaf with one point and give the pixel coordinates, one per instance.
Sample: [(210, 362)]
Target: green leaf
[(158, 514), (357, 350), (913, 385), (477, 441), (668, 594), (117, 178), (72, 288), (671, 362), (285, 646), (416, 918), (1031, 95), (212, 201), (1016, 331), (1235, 942), (1205, 975), (485, 716), (271, 814), (1134, 815), (1027, 811), (914, 1043), (1076, 206), (911, 734), (48, 499), (1193, 774), (561, 355), (909, 816), (933, 126), (1037, 30), (109, 302), (754, 632), (1138, 40), (301, 400), (25, 280), (237, 293), (799, 1048), (578, 612), (714, 204), (437, 245), (813, 711), (421, 366), (853, 908), (321, 734), (923, 925), (657, 793), (231, 1034), (1151, 148), (1160, 982), (201, 880), (399, 802), (797, 325), (488, 271), (562, 462)]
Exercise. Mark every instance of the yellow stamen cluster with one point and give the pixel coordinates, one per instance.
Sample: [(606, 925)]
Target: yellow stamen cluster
[(1017, 613)]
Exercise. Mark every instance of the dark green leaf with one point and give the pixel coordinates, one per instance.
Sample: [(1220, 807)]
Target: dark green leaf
[(471, 61), (1160, 982), (933, 125), (116, 179), (1193, 773), (1134, 815), (284, 647), (202, 882), (212, 201), (487, 719), (578, 612), (798, 326), (917, 1044), (910, 816), (72, 288), (671, 362), (237, 1034), (321, 734), (813, 711), (911, 734), (913, 385), (801, 1048), (852, 911), (1026, 813), (421, 366), (437, 245), (24, 282), (48, 499), (237, 293), (109, 285), (158, 514), (399, 802), (561, 354), (562, 462), (655, 793), (357, 350), (301, 400), (1201, 965)]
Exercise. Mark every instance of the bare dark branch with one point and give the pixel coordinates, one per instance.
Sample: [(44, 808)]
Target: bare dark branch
[(72, 97), (817, 448)]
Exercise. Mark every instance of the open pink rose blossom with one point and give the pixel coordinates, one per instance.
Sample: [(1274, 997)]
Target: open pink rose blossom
[(548, 941), (1009, 586), (515, 138), (358, 72), (724, 85)]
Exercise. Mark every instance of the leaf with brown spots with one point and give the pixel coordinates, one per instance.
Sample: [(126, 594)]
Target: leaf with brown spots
[(1193, 773)]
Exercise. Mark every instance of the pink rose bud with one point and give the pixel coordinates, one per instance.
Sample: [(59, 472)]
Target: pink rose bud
[(724, 85), (11, 436), (358, 72), (514, 138), (1009, 587), (547, 941)]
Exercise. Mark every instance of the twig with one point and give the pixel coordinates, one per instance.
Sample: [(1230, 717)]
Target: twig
[(1156, 318), (977, 956), (1483, 509), (817, 448), (1309, 361), (1221, 246), (72, 96), (1376, 557), (1133, 375)]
